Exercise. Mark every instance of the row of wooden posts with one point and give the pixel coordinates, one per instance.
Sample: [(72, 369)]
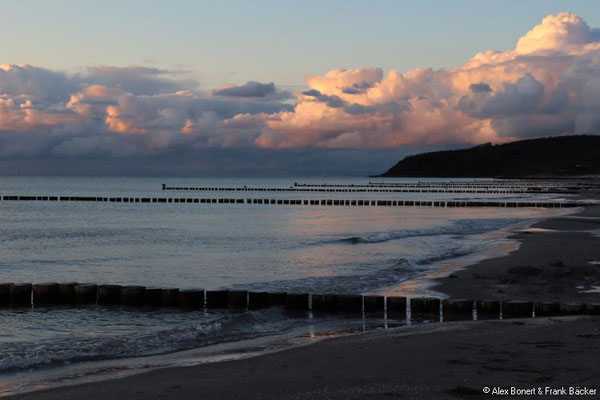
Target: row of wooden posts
[(485, 184), (312, 202), (368, 190), (79, 294), (528, 188)]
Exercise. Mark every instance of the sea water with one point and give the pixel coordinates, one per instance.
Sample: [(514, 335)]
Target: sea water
[(316, 249)]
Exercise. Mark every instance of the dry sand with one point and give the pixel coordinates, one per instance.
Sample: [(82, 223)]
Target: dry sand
[(448, 360)]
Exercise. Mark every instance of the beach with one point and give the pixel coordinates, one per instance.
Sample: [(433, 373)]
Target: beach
[(447, 360), (557, 260), (455, 360)]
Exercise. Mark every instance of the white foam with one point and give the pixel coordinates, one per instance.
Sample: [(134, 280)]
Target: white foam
[(594, 289)]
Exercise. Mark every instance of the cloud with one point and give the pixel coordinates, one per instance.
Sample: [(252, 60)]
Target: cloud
[(522, 97), (138, 80), (331, 101), (250, 89), (481, 87), (42, 84), (104, 113), (549, 84), (565, 32), (181, 119)]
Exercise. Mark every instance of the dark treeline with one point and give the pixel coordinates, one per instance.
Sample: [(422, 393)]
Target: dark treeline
[(547, 157)]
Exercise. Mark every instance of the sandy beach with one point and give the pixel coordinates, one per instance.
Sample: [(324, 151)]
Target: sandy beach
[(557, 260), (455, 360), (430, 361)]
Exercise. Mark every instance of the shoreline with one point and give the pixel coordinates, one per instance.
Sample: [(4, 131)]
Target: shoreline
[(553, 262), (427, 284), (447, 360)]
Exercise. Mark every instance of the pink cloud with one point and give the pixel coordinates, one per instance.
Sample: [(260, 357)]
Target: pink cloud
[(19, 114), (527, 94), (548, 84)]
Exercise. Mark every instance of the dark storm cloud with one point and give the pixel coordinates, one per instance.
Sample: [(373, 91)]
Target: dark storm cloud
[(357, 88), (249, 89), (331, 101), (481, 87)]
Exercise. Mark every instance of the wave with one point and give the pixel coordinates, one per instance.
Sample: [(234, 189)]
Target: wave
[(455, 253), (456, 228), (60, 351), (428, 248)]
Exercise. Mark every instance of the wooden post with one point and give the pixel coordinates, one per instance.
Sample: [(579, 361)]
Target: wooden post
[(516, 309), (153, 297), (109, 294), (169, 297), (297, 301), (322, 303), (374, 304), (20, 294), (133, 295), (276, 298), (396, 307), (237, 299), (217, 298), (592, 308), (425, 306), (547, 309), (192, 299), (258, 300), (45, 294), (572, 308), (488, 309), (5, 294), (457, 309), (349, 303), (85, 293), (66, 293)]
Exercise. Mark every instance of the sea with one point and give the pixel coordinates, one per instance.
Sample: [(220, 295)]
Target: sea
[(274, 247)]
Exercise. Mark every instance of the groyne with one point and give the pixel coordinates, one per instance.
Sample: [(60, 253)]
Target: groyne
[(375, 189), (73, 294), (303, 202)]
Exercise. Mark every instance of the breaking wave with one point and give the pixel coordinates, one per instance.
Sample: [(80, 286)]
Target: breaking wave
[(456, 228)]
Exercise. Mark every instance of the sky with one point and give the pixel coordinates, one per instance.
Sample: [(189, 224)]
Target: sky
[(286, 88)]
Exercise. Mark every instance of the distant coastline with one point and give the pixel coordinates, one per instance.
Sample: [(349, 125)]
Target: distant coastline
[(552, 157)]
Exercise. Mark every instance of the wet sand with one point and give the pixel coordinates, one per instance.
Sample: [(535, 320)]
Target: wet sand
[(552, 263), (431, 361), (452, 360)]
